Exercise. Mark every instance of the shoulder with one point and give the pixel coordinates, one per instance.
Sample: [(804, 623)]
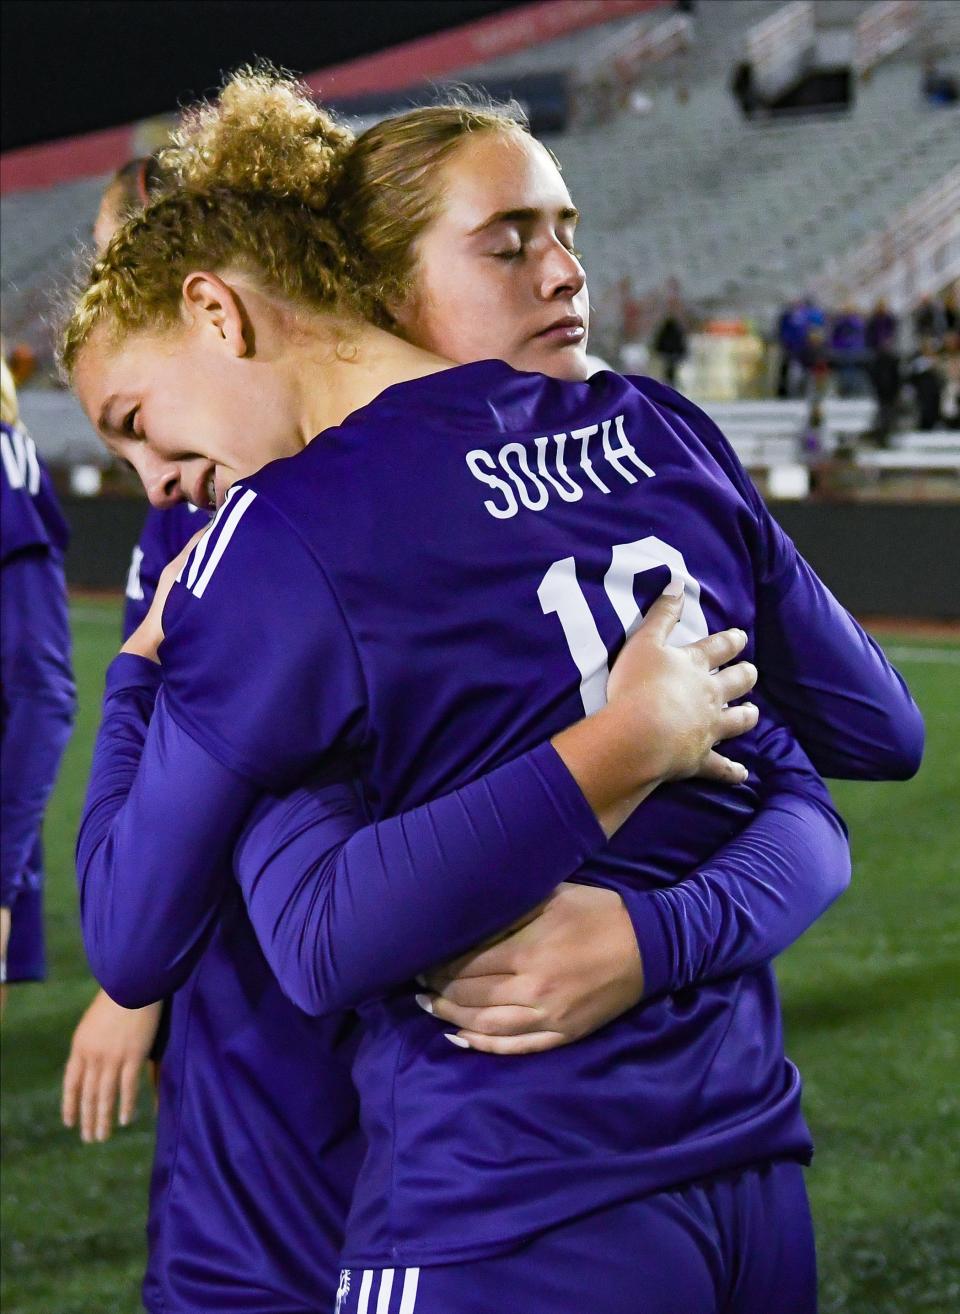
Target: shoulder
[(250, 545), (30, 516)]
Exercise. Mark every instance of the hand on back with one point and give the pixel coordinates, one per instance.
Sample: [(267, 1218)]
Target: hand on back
[(674, 699)]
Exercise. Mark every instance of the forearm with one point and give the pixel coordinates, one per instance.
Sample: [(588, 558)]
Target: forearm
[(153, 852), (755, 897), (345, 911)]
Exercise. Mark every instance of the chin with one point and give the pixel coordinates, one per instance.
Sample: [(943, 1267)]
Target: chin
[(568, 364)]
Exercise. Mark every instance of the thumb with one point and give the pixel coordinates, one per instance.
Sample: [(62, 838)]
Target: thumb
[(662, 616)]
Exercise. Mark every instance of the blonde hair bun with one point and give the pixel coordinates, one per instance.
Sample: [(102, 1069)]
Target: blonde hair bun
[(264, 134)]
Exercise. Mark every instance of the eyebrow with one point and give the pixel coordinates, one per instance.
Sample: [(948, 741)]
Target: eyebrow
[(567, 214), (104, 421)]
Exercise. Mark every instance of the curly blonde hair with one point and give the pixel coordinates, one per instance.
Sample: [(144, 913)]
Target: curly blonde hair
[(266, 182)]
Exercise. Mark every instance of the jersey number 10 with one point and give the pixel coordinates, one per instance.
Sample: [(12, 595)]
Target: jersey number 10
[(560, 594)]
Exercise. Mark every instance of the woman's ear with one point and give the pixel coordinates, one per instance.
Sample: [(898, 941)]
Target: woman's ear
[(211, 303)]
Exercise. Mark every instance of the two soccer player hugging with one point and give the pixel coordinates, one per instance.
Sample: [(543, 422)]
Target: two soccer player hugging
[(370, 724)]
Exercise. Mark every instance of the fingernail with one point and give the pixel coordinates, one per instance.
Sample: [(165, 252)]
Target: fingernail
[(126, 1119), (742, 771), (425, 1002), (456, 1040), (675, 588)]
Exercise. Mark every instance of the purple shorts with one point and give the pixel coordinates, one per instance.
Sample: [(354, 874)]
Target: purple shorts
[(741, 1243)]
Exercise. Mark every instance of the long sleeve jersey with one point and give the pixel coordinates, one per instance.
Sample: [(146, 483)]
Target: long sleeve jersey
[(408, 709), (38, 691)]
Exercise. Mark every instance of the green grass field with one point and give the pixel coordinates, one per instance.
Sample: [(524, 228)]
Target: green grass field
[(871, 1013)]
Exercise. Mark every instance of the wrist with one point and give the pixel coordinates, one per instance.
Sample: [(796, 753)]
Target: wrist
[(138, 646), (603, 758)]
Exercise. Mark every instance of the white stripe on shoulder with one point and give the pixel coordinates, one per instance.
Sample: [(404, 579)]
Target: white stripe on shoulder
[(386, 1287), (200, 551), (363, 1301), (408, 1297), (14, 474), (229, 529), (33, 466)]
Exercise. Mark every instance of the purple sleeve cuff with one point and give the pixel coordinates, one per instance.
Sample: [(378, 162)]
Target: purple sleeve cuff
[(653, 940), (128, 671), (568, 797)]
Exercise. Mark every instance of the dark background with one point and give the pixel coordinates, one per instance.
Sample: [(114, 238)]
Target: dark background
[(72, 66)]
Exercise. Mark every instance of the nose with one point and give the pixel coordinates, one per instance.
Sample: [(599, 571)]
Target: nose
[(161, 481), (562, 274)]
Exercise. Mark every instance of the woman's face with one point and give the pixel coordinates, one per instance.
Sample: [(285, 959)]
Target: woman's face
[(496, 275), (179, 410)]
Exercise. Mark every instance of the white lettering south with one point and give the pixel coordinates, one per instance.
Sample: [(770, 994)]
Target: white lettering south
[(534, 483), (474, 460)]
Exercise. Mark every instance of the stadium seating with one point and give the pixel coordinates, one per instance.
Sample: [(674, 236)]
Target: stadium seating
[(745, 213)]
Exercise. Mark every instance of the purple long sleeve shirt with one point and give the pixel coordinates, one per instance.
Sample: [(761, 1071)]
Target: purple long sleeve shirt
[(38, 691), (365, 674)]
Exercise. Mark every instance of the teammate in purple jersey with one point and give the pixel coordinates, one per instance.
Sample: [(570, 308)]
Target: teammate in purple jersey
[(38, 691), (620, 453)]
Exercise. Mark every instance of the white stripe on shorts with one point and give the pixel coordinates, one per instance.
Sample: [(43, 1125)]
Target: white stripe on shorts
[(366, 1282), (386, 1288), (408, 1297)]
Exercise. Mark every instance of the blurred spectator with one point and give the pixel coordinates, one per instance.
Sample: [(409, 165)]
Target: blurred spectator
[(792, 337), (939, 88), (816, 362), (950, 401), (881, 329), (929, 320), (884, 374), (670, 340), (848, 351), (926, 379), (22, 361), (951, 315), (633, 351)]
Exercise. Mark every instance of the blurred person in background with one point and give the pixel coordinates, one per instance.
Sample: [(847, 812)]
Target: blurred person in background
[(926, 379), (670, 338), (848, 350), (883, 368), (929, 320), (633, 353), (792, 329), (38, 690), (882, 327), (22, 361), (951, 316)]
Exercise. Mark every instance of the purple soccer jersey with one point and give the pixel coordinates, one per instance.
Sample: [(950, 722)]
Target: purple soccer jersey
[(503, 534), (165, 532), (38, 692)]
